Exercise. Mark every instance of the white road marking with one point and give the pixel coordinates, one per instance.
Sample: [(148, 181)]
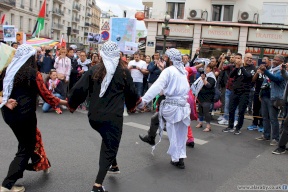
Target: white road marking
[(145, 127)]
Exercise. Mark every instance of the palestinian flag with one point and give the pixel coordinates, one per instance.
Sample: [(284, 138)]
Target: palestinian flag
[(40, 21)]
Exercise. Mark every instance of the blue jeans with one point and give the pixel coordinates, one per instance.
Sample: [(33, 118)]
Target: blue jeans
[(226, 109), (139, 88), (270, 118), (46, 107)]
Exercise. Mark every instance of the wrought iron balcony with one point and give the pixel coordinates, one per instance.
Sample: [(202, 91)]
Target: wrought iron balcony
[(7, 4)]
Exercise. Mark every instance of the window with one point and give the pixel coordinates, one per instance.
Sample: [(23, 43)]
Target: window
[(176, 10), (69, 11), (222, 12), (22, 2), (68, 24), (29, 25), (40, 4), (36, 3), (21, 23), (12, 19)]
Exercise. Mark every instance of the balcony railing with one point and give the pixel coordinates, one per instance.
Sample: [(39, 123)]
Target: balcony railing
[(8, 4), (88, 15), (58, 26), (76, 7), (74, 40), (87, 24), (75, 20), (75, 31), (58, 12), (60, 1), (85, 34), (89, 4)]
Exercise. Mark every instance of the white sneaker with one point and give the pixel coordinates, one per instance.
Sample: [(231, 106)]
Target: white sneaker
[(223, 122), (125, 114), (220, 118), (235, 123), (14, 189), (63, 107)]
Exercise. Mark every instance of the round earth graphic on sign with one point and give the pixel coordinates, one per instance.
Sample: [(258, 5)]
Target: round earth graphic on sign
[(105, 35)]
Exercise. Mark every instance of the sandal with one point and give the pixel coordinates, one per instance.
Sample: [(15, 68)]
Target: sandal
[(207, 129), (199, 126)]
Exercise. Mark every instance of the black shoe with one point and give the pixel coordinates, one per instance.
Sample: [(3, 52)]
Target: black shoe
[(147, 139), (114, 170), (180, 164), (237, 132), (279, 151), (190, 144), (98, 189), (228, 130)]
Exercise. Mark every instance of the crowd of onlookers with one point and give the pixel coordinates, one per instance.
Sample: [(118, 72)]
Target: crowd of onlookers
[(241, 86)]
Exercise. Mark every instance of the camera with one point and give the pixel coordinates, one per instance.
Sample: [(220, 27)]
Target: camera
[(201, 72), (283, 66), (134, 66), (227, 58)]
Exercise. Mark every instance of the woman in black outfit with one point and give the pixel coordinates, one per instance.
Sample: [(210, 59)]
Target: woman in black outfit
[(108, 85), (206, 97)]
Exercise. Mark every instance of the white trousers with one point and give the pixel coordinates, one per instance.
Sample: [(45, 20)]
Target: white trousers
[(177, 134)]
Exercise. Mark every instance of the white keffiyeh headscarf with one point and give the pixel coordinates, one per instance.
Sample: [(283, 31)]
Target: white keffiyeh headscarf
[(23, 53), (176, 57), (110, 54)]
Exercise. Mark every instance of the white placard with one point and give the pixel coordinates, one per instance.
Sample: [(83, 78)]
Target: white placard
[(178, 30), (274, 13), (216, 32), (268, 36), (9, 33)]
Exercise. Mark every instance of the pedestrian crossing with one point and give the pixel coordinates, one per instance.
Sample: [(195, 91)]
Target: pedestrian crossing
[(145, 127)]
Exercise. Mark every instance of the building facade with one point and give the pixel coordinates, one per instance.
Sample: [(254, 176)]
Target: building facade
[(82, 16), (218, 26)]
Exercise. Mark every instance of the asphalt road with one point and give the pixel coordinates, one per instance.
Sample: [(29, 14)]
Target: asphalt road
[(219, 162)]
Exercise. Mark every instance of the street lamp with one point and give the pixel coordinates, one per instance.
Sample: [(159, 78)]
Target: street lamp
[(165, 30)]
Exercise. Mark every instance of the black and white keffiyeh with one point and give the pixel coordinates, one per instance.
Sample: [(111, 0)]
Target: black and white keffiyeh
[(176, 57), (23, 53), (110, 54)]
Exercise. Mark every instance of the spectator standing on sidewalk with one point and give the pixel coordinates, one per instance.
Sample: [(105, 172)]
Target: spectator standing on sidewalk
[(242, 84), (277, 87)]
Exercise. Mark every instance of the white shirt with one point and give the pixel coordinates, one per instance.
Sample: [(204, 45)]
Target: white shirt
[(135, 73)]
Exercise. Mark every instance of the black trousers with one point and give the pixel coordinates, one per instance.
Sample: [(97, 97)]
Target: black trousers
[(154, 125), (241, 100), (284, 135), (257, 110), (25, 132), (111, 132)]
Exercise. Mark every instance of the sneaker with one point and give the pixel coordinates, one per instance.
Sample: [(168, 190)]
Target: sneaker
[(237, 132), (190, 143), (220, 118), (274, 142), (14, 189), (235, 123), (98, 189), (227, 130), (261, 138), (63, 107), (252, 127), (180, 164), (223, 122), (114, 170), (46, 171), (58, 110), (147, 139), (260, 129), (279, 151)]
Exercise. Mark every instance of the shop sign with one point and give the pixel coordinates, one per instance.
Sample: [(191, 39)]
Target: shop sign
[(217, 32), (178, 30), (257, 51), (268, 36)]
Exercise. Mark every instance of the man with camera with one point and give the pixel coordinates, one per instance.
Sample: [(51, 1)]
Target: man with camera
[(270, 109), (137, 68), (242, 84)]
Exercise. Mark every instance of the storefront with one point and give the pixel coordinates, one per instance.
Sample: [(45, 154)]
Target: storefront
[(180, 37), (268, 42), (219, 39)]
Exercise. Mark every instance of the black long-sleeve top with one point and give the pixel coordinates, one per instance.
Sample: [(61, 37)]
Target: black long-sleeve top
[(111, 106), (243, 78)]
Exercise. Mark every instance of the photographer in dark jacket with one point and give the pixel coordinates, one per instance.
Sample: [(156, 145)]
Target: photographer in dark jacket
[(154, 70)]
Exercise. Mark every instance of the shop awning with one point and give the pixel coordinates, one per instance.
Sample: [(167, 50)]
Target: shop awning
[(161, 38), (267, 45)]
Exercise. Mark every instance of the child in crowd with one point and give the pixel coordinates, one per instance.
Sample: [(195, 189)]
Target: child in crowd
[(54, 85)]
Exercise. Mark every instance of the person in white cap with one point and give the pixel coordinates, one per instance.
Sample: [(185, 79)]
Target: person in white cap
[(174, 110), (108, 85)]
